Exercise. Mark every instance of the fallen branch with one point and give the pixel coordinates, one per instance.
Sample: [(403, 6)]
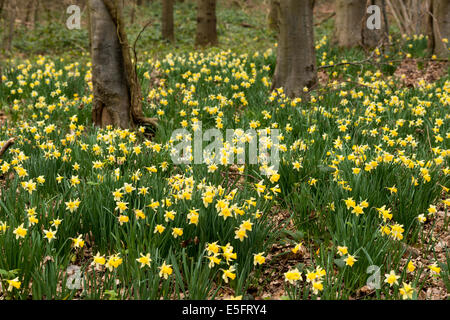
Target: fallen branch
[(325, 19), (135, 43), (5, 147), (369, 58)]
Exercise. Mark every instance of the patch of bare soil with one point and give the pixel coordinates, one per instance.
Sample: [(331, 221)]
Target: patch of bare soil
[(3, 118), (434, 246), (280, 259), (323, 77), (323, 9), (411, 71)]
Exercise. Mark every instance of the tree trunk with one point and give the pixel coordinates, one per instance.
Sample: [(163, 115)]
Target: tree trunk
[(296, 60), (349, 16), (440, 22), (373, 38), (117, 92), (36, 12), (167, 20), (11, 11), (206, 23), (30, 13), (273, 15), (89, 19), (2, 3), (133, 12)]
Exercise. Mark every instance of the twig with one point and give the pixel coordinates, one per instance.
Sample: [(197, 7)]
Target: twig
[(5, 147), (357, 63), (325, 19), (136, 40), (386, 21), (394, 13), (352, 62)]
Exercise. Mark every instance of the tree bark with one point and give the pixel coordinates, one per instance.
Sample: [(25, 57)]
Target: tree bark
[(273, 15), (133, 12), (2, 3), (11, 11), (89, 23), (349, 16), (36, 12), (167, 20), (117, 92), (440, 23), (373, 38), (30, 13), (206, 23), (296, 60)]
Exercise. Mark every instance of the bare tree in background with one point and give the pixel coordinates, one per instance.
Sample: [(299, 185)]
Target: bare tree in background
[(31, 13), (117, 92), (2, 3), (167, 20), (296, 59), (9, 13), (206, 23), (410, 16)]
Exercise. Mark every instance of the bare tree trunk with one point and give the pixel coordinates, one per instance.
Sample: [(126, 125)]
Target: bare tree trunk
[(273, 15), (36, 12), (133, 11), (117, 92), (89, 23), (296, 60), (440, 18), (11, 11), (206, 23), (373, 38), (2, 3), (30, 13), (349, 16), (167, 20)]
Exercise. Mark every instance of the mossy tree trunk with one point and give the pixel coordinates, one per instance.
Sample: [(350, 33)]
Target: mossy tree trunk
[(296, 59)]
